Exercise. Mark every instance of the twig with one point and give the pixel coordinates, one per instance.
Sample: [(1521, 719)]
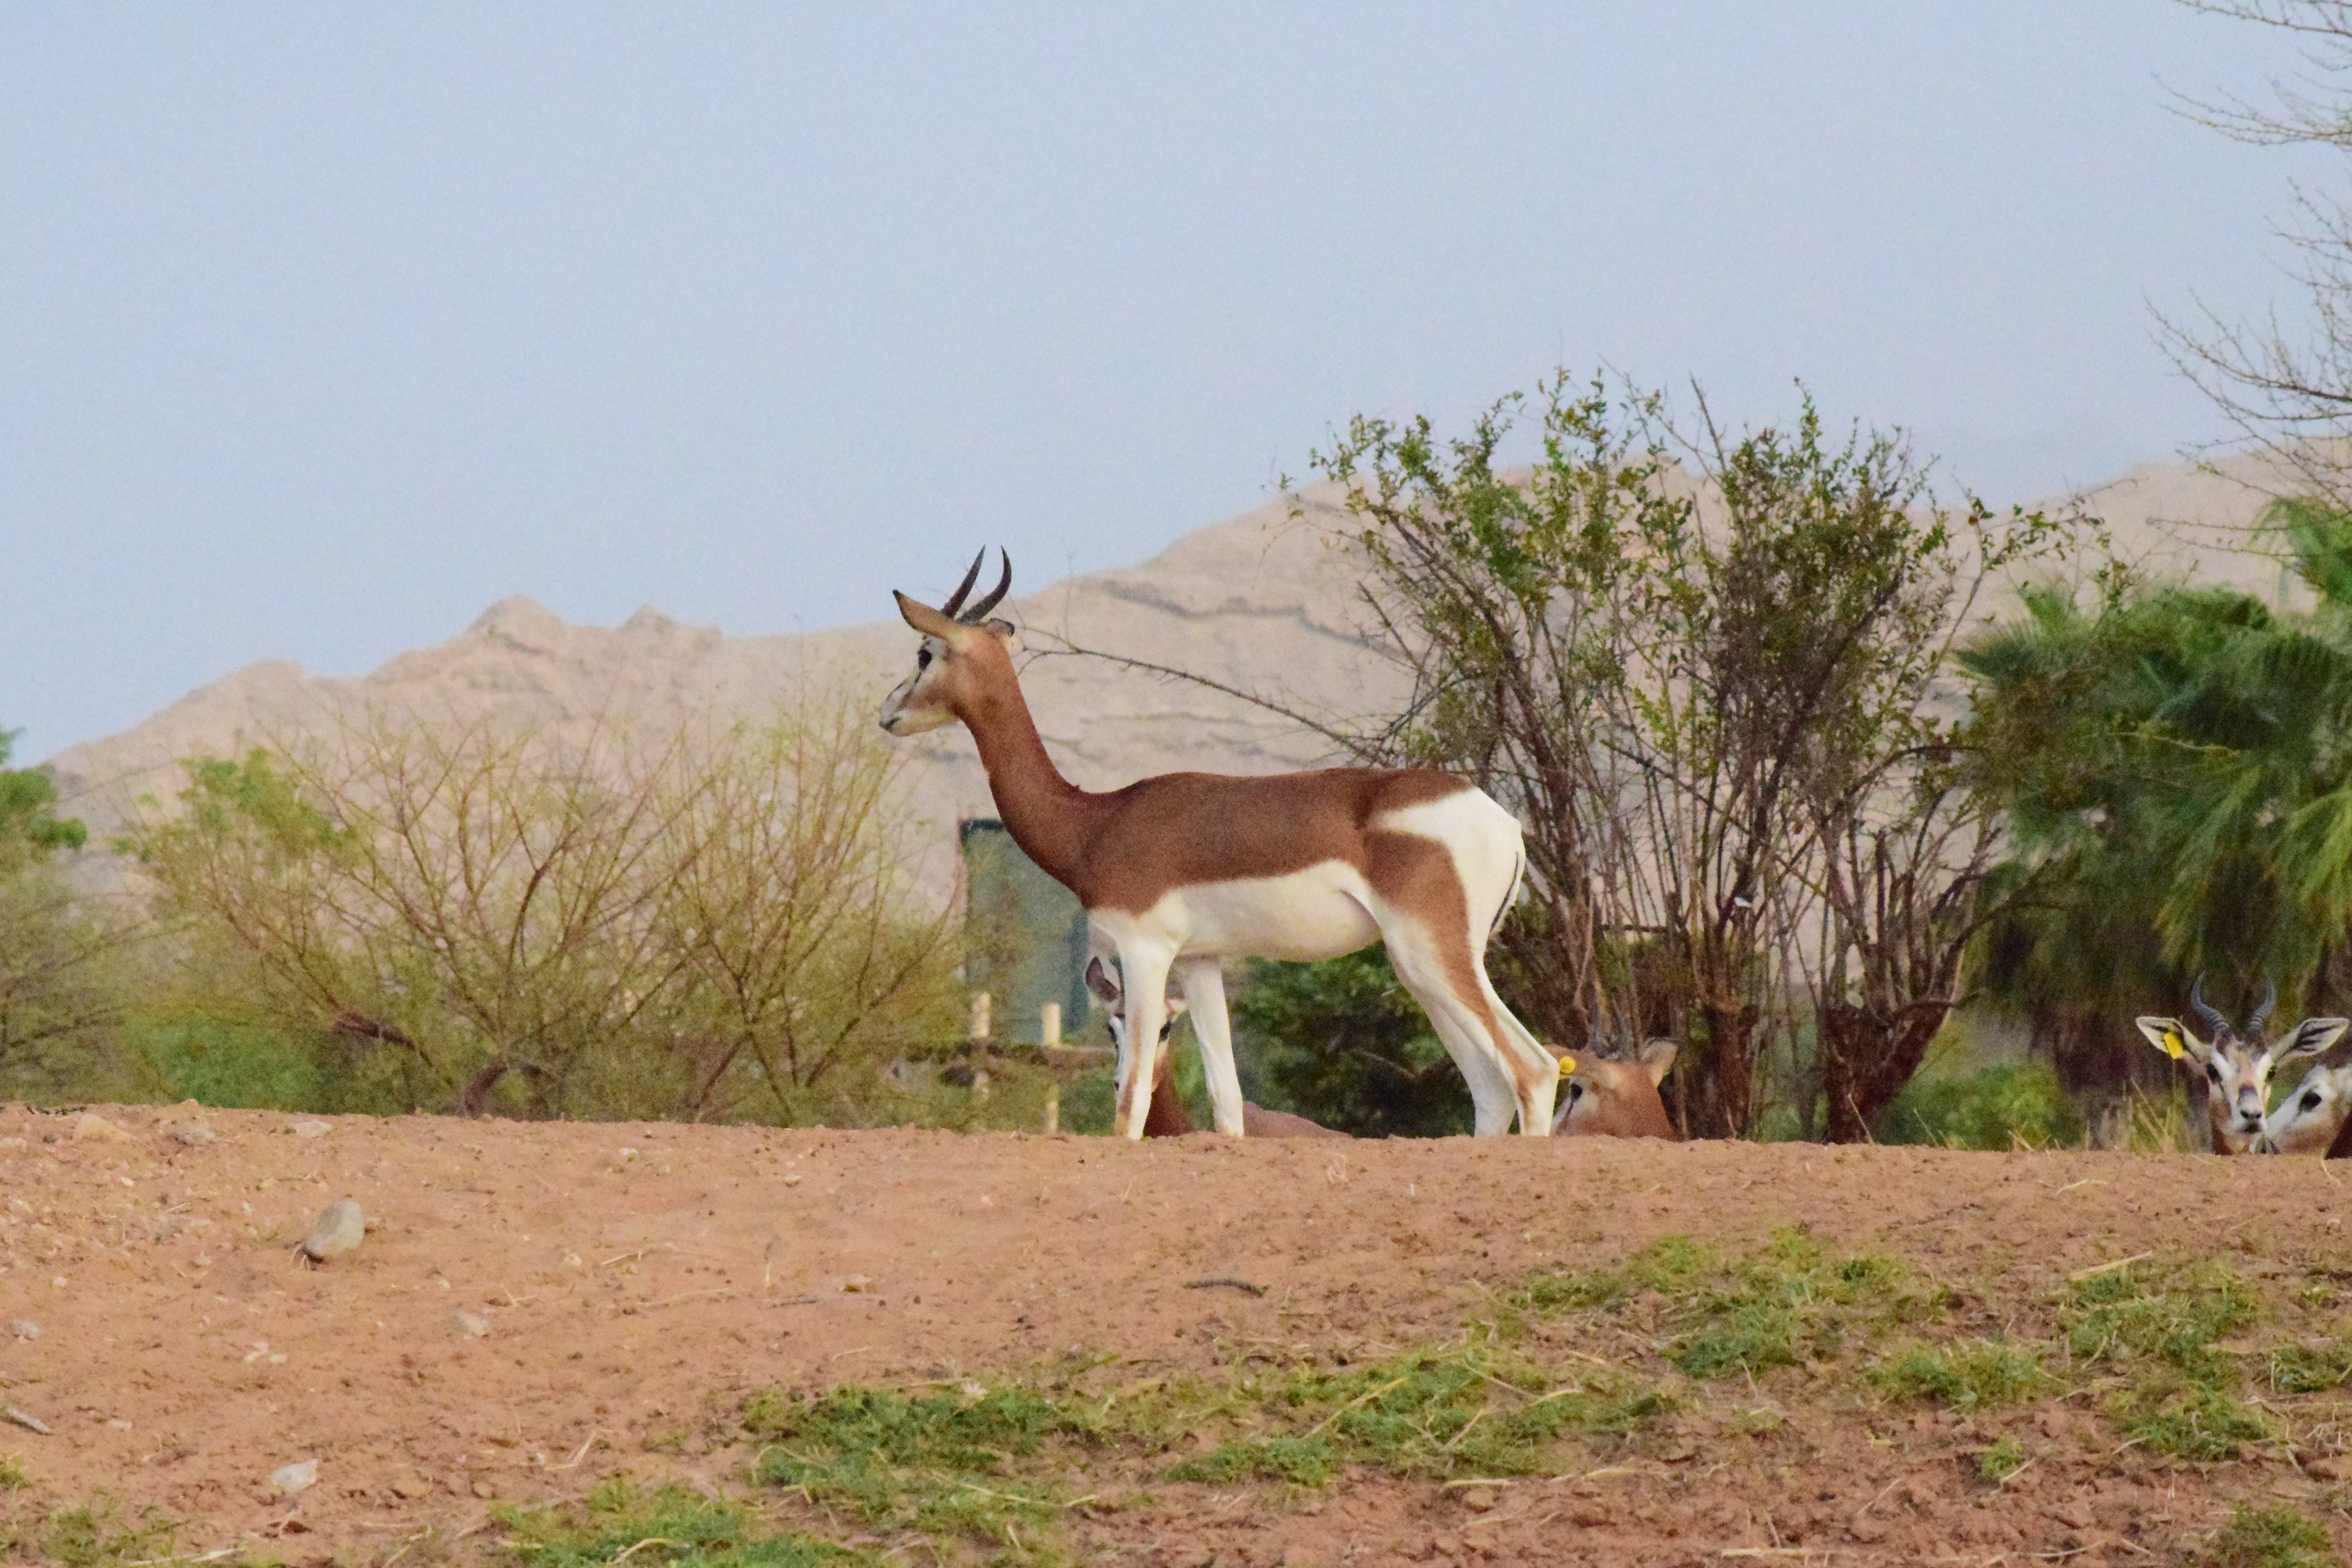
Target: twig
[(1229, 1284), (2082, 1274), (580, 1454), (29, 1423), (628, 1551), (1479, 1480)]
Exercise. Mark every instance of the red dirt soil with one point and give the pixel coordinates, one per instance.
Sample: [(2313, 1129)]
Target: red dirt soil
[(635, 1282)]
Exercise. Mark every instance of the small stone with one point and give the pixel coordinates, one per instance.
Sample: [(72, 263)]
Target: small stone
[(472, 1323), (295, 1478), (24, 1328), (340, 1230), (857, 1284), (92, 1128), (409, 1488), (194, 1134), (1587, 1515), (484, 1490), (1477, 1500), (312, 1128)]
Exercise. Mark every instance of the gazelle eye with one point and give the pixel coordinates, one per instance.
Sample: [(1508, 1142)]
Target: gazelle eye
[(1166, 1026), (1575, 1091), (2310, 1101), (2213, 1072), (922, 658)]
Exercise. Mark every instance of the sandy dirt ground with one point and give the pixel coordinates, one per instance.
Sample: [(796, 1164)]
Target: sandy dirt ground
[(538, 1306)]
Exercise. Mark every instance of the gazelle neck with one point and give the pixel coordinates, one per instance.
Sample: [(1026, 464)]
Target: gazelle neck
[(1046, 813)]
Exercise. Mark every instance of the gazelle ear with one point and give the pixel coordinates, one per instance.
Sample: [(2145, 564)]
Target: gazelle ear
[(1658, 1059), (2167, 1035), (1099, 981), (2312, 1037), (928, 621)]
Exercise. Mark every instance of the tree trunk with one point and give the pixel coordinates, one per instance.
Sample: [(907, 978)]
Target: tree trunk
[(1866, 1060), (1716, 1099)]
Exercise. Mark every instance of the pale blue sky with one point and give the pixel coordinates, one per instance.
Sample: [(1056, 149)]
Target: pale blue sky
[(322, 328)]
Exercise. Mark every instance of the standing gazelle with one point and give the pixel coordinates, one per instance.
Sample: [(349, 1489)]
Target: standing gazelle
[(2238, 1068), (1183, 870)]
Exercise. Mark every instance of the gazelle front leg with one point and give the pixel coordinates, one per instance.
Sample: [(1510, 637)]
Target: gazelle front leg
[(1203, 980), (1143, 976)]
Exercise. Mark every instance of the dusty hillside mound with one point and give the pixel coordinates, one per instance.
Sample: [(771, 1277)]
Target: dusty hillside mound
[(1258, 1354)]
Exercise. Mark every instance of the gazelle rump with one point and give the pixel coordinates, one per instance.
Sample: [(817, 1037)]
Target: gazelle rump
[(1611, 1099), (2238, 1067), (1168, 1117), (1180, 871)]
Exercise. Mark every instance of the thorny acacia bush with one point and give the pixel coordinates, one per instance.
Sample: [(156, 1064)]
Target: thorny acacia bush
[(714, 926), (64, 952), (1708, 673)]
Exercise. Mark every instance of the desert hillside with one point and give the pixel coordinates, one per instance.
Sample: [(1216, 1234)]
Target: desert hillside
[(1258, 603)]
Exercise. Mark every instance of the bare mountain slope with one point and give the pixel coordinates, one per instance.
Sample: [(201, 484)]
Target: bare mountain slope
[(1258, 603)]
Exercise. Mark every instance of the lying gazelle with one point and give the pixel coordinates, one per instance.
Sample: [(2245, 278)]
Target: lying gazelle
[(2238, 1069), (2307, 1121), (1611, 1099), (1177, 871), (1168, 1118)]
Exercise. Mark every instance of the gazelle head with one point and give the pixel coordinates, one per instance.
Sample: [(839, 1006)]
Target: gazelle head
[(1608, 1099), (956, 637), (2308, 1120), (1106, 987), (2238, 1067)]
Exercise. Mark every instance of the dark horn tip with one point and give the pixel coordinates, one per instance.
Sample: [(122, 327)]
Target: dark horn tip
[(996, 596), (971, 575)]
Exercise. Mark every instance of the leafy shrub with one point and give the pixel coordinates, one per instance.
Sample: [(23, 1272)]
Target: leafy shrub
[(2004, 1106), (1343, 1042)]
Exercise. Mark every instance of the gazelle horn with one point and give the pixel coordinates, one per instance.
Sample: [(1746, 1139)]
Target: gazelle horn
[(971, 575), (988, 602), (2261, 1014), (2213, 1020)]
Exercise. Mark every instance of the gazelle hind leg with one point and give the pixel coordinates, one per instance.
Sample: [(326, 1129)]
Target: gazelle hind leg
[(1434, 975), (1204, 990)]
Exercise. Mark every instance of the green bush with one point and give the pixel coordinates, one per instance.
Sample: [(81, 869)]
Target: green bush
[(2005, 1106), (1343, 1042)]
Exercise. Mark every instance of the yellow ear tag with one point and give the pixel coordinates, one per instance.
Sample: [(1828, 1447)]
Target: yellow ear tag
[(1567, 1066), (2172, 1045)]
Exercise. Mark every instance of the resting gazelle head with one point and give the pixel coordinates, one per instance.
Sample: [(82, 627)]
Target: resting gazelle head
[(2238, 1067), (2307, 1121), (1604, 1097), (1106, 988)]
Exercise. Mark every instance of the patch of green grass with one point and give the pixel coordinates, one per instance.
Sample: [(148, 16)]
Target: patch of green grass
[(1464, 1410), (1724, 1318), (95, 1534), (1998, 1460), (1301, 1461), (2269, 1538), (1973, 1377), (670, 1526), (934, 1461), (2310, 1369), (2172, 1313), (13, 1478), (2159, 1324)]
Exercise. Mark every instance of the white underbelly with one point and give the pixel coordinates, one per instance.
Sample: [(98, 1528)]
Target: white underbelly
[(1317, 913)]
